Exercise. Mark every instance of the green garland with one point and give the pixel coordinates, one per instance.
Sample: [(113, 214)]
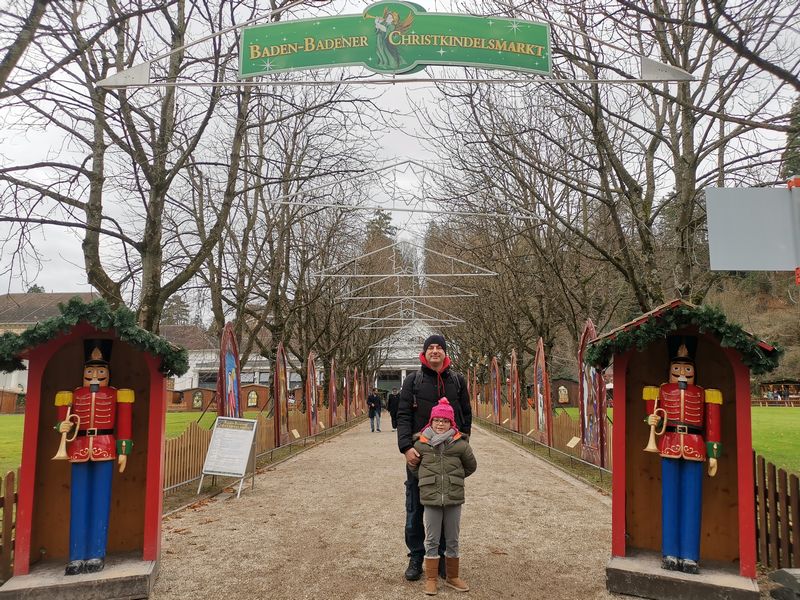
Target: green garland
[(174, 359), (705, 318)]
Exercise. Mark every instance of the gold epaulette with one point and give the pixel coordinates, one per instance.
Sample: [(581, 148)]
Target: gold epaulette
[(125, 396), (650, 392), (713, 396), (63, 398)]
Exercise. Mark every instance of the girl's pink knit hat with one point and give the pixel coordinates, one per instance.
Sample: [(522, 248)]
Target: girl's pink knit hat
[(443, 410)]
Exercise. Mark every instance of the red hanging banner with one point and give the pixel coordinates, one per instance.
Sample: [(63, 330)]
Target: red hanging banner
[(312, 395), (514, 393), (591, 389), (228, 375), (543, 412), (494, 384), (332, 395), (281, 393)]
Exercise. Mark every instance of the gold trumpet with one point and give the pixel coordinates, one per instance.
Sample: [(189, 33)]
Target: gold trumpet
[(651, 443), (62, 447)]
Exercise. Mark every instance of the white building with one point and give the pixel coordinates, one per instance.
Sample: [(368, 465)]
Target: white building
[(403, 349)]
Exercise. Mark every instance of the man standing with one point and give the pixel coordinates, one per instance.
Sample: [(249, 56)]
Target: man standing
[(374, 405), (420, 393), (393, 404)]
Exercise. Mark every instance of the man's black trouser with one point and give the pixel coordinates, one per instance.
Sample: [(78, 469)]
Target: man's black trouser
[(415, 529), (394, 419)]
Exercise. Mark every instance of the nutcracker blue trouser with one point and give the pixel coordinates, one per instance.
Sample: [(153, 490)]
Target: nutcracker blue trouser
[(681, 507), (90, 498)]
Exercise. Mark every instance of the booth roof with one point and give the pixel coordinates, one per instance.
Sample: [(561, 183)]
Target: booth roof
[(677, 314), (174, 359)]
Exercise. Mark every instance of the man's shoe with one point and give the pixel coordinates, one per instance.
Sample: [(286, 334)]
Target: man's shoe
[(414, 570), (378, 430)]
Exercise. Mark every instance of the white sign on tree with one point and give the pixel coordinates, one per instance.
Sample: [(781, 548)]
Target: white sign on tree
[(753, 229)]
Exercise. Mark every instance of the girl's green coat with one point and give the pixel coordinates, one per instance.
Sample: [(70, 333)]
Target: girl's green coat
[(442, 470)]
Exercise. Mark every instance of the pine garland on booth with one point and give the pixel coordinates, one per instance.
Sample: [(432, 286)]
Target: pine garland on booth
[(174, 359), (706, 318)]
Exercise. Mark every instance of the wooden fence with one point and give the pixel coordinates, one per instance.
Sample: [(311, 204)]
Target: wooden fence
[(185, 455), (8, 501), (564, 429), (777, 515), (183, 463)]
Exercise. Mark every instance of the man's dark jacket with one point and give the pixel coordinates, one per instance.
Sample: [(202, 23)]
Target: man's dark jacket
[(374, 404), (411, 420), (393, 404)]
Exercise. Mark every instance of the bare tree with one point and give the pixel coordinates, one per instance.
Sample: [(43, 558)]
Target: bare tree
[(131, 153), (760, 32), (617, 172)]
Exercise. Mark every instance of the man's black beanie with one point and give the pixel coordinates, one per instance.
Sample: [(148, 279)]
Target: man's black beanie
[(435, 339)]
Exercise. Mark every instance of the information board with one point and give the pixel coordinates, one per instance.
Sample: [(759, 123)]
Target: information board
[(230, 449)]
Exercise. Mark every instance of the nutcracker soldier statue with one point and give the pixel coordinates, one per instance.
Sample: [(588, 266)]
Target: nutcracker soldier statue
[(95, 425), (687, 419)]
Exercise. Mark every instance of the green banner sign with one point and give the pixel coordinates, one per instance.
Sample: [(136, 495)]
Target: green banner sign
[(395, 37)]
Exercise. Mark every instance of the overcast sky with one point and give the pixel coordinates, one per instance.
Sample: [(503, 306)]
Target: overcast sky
[(62, 267)]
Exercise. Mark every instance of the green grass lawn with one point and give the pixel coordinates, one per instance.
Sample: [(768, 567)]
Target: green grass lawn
[(776, 434), (10, 442)]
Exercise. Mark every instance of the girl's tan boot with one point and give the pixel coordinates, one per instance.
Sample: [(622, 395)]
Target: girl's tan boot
[(431, 573), (453, 580)]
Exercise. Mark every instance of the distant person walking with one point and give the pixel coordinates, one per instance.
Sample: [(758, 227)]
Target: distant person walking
[(446, 459), (374, 404), (421, 391), (393, 402)]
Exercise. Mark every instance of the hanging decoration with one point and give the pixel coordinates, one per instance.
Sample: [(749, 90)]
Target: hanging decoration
[(515, 393), (542, 400), (332, 400), (228, 375), (281, 393), (591, 390), (312, 395), (494, 384)]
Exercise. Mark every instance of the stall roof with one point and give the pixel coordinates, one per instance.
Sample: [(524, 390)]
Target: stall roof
[(657, 324), (14, 347)]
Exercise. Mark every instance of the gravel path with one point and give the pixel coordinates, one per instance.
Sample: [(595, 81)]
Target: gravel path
[(328, 523)]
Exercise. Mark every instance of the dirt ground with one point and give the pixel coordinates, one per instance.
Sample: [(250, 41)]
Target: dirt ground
[(328, 523)]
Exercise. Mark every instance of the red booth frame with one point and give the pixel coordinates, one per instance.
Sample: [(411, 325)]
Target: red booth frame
[(745, 496), (38, 358)]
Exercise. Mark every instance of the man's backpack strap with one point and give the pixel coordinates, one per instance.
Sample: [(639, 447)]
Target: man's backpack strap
[(414, 386)]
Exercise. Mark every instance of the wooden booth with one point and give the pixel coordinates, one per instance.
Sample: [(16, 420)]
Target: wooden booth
[(139, 362), (727, 551)]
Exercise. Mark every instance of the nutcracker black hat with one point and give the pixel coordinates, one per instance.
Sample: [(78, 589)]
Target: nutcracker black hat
[(96, 352), (682, 348)]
